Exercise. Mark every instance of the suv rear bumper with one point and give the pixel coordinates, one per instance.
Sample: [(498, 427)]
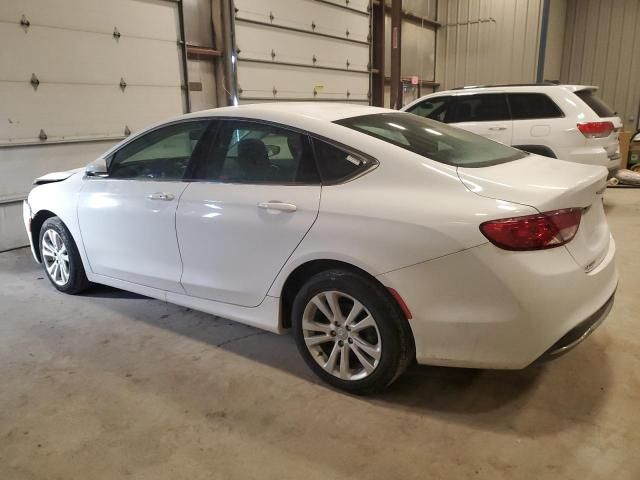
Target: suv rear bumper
[(591, 155)]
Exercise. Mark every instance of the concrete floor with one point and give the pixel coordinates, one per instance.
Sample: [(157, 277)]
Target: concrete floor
[(110, 385)]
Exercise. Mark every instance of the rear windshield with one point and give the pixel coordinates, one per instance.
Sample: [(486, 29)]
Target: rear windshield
[(433, 140), (597, 105)]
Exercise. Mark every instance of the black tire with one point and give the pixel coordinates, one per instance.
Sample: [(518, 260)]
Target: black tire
[(397, 346), (77, 279)]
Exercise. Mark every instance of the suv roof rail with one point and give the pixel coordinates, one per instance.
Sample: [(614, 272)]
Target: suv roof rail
[(543, 84)]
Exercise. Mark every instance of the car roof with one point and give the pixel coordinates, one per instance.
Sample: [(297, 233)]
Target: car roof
[(521, 87), (323, 111)]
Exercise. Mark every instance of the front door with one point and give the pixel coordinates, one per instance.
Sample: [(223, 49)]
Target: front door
[(127, 220), (257, 195)]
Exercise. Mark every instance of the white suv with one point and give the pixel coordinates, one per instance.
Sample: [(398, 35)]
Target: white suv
[(560, 121)]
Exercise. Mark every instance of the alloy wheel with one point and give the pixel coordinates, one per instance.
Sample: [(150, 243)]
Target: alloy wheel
[(341, 335), (55, 257)]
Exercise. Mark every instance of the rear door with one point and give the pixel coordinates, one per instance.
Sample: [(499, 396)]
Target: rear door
[(534, 118), (252, 200), (486, 114)]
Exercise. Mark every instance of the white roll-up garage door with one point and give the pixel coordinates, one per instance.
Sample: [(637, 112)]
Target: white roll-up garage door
[(75, 77), (313, 50)]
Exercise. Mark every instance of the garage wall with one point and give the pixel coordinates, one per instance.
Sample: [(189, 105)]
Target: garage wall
[(318, 50), (602, 47), (487, 42), (75, 77)]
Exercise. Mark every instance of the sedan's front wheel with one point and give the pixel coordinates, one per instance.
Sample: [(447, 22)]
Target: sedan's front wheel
[(350, 332), (61, 258)]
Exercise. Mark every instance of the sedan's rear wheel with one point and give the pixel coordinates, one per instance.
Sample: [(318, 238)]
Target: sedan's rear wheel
[(350, 331), (60, 257)]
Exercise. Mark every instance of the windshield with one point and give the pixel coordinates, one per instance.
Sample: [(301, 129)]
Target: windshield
[(433, 140)]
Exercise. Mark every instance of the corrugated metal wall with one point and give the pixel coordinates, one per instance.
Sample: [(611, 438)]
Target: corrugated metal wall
[(602, 47), (487, 41)]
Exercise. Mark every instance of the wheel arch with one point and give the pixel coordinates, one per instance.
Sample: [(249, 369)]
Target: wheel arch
[(300, 274)]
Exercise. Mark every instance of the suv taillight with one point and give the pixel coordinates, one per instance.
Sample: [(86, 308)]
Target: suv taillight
[(534, 232), (596, 129)]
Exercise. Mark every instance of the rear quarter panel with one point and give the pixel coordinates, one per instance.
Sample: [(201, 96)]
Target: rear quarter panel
[(406, 211)]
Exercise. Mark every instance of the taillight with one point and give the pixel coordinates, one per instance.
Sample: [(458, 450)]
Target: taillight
[(534, 232), (596, 129)]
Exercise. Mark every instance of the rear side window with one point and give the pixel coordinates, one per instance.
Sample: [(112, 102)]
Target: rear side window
[(597, 105), (434, 140), (434, 108), (484, 107), (526, 106), (336, 165)]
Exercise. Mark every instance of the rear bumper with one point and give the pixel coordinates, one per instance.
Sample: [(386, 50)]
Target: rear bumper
[(489, 308), (577, 334), (591, 155)]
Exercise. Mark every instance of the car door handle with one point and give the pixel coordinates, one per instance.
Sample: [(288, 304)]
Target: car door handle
[(275, 205), (167, 197), (497, 128)]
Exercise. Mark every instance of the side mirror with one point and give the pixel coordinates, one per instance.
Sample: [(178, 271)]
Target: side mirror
[(273, 150), (97, 169)]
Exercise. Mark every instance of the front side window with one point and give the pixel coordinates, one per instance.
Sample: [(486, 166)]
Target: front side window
[(526, 106), (433, 140), (162, 154), (484, 107), (257, 153), (434, 108)]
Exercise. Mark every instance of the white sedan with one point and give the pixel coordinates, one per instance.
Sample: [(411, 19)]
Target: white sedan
[(379, 237)]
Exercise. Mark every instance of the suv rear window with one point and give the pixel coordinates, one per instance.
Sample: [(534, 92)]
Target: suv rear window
[(532, 105), (597, 105), (434, 140)]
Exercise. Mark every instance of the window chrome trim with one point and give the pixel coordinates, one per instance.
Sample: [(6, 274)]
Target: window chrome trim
[(371, 163)]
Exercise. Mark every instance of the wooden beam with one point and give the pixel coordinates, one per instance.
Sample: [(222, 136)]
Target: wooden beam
[(202, 51)]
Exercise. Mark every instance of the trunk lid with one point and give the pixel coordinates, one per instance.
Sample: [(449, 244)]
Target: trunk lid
[(549, 184)]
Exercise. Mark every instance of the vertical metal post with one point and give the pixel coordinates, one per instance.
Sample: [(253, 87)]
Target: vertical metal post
[(396, 48), (230, 54), (377, 53), (544, 27), (185, 69)]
